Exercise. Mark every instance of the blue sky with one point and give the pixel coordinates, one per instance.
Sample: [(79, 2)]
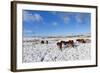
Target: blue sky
[(51, 23)]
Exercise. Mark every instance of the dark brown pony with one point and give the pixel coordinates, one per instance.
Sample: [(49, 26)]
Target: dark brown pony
[(42, 42), (69, 43), (81, 40), (59, 44)]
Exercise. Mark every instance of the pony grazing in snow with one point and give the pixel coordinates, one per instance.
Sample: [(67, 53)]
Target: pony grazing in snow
[(44, 42), (81, 40), (69, 43), (59, 44)]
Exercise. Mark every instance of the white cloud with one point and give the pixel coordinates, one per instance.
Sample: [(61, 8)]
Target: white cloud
[(37, 17), (27, 32), (79, 18), (54, 23), (26, 16), (66, 19), (32, 17), (62, 16)]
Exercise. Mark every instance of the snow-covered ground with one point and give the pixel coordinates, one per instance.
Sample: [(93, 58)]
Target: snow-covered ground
[(50, 52)]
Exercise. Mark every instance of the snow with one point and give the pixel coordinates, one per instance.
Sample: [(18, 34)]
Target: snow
[(50, 52)]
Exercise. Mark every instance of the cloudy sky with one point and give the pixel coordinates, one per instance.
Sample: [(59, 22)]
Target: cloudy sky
[(51, 23)]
